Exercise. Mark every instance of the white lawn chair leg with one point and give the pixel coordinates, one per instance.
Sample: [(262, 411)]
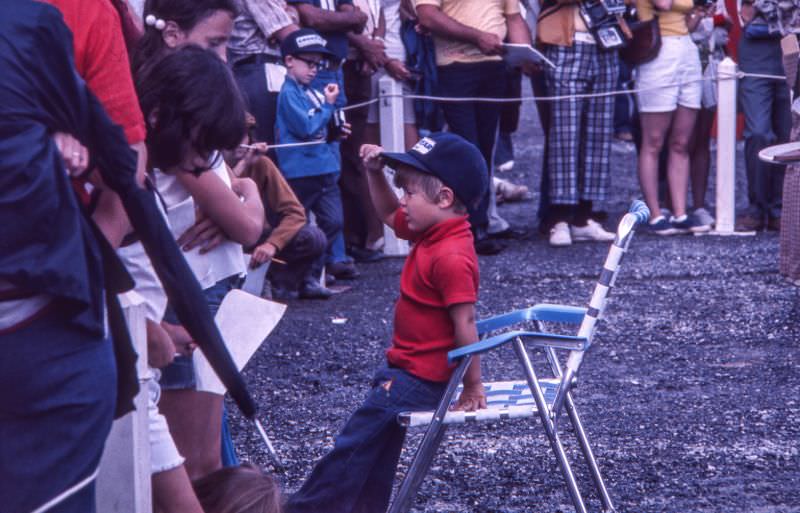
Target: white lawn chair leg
[(583, 440), (430, 443), (549, 426)]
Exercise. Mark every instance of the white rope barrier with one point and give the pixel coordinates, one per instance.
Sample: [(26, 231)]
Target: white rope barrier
[(453, 99), (464, 99)]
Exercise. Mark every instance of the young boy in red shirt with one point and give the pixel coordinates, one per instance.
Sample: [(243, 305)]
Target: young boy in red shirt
[(443, 177)]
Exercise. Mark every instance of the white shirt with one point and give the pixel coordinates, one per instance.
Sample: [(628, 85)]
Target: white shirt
[(225, 260)]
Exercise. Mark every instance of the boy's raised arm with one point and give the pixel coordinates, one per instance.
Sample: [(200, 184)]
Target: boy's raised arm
[(383, 197), (473, 396)]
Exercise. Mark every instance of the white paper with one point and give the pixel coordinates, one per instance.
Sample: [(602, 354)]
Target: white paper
[(254, 281), (518, 54), (244, 321), (276, 76)]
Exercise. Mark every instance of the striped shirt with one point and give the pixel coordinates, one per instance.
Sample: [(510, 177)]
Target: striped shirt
[(253, 28)]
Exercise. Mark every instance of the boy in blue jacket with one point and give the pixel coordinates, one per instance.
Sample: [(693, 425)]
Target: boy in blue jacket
[(312, 167)]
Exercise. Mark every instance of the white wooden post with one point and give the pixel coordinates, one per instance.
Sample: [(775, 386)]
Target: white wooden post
[(123, 484), (392, 139), (726, 146)]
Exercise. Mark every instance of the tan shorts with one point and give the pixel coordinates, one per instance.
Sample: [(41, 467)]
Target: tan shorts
[(671, 79)]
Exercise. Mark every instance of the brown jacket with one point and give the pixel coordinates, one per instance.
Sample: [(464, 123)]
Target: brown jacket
[(285, 214)]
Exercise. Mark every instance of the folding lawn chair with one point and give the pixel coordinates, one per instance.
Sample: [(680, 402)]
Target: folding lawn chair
[(517, 399)]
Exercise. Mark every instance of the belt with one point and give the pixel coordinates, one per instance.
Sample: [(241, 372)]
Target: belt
[(258, 58), (584, 37)]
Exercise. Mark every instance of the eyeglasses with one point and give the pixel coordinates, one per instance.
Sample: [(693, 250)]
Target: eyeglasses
[(312, 63)]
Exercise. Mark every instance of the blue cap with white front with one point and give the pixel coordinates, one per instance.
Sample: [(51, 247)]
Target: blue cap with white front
[(305, 40), (452, 159)]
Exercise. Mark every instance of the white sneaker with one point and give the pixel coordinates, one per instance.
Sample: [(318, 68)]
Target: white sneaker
[(559, 235), (593, 231), (506, 166)]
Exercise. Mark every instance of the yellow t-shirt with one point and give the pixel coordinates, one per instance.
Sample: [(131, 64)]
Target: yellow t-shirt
[(485, 15), (672, 22)]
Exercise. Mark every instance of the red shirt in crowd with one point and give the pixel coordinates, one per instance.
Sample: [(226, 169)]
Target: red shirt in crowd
[(440, 271), (101, 58)]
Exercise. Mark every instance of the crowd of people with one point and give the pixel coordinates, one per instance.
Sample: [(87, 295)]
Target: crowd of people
[(228, 121)]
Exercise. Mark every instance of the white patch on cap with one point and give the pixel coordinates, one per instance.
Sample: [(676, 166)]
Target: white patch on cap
[(424, 145), (310, 40)]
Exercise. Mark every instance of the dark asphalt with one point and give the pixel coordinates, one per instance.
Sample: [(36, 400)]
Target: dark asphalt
[(689, 395)]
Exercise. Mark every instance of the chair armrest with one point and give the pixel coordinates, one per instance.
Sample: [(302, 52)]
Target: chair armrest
[(567, 342), (544, 312)]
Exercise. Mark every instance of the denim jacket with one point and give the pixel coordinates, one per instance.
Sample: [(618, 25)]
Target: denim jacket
[(303, 116)]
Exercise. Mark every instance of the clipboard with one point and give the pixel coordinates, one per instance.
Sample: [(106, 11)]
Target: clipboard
[(518, 54)]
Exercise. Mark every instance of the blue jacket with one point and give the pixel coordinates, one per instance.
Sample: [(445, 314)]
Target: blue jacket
[(47, 245), (303, 116)]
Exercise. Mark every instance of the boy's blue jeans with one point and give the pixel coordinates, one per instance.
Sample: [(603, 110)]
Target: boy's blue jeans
[(356, 476), (321, 195)]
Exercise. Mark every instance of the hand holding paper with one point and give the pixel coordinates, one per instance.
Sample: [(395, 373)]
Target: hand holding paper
[(519, 54)]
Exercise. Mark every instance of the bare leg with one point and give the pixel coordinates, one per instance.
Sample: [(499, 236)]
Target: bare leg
[(654, 131), (700, 157), (195, 422), (173, 493), (678, 167)]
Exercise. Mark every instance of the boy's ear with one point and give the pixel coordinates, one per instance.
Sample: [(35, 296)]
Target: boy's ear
[(288, 61), (446, 197)]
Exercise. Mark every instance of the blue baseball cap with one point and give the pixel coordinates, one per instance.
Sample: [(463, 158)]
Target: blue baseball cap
[(305, 40), (452, 159)]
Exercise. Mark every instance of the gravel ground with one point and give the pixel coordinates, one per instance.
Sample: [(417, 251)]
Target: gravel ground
[(689, 394)]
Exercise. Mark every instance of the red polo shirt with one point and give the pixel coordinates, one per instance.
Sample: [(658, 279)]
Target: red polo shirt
[(101, 58), (440, 271)]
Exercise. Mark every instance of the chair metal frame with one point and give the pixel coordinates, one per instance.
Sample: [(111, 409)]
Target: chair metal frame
[(548, 411)]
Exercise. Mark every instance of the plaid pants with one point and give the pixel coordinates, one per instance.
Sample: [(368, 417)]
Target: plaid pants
[(579, 139)]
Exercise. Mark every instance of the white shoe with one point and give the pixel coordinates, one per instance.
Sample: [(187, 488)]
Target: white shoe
[(593, 231), (559, 235), (506, 166)]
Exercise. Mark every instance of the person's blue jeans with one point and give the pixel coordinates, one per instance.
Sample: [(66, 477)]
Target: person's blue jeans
[(475, 121), (261, 103), (623, 103), (179, 375), (336, 250), (356, 476), (59, 390), (767, 121), (321, 195)]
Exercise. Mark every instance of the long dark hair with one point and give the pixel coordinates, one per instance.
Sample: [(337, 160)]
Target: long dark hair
[(184, 13), (189, 100)]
